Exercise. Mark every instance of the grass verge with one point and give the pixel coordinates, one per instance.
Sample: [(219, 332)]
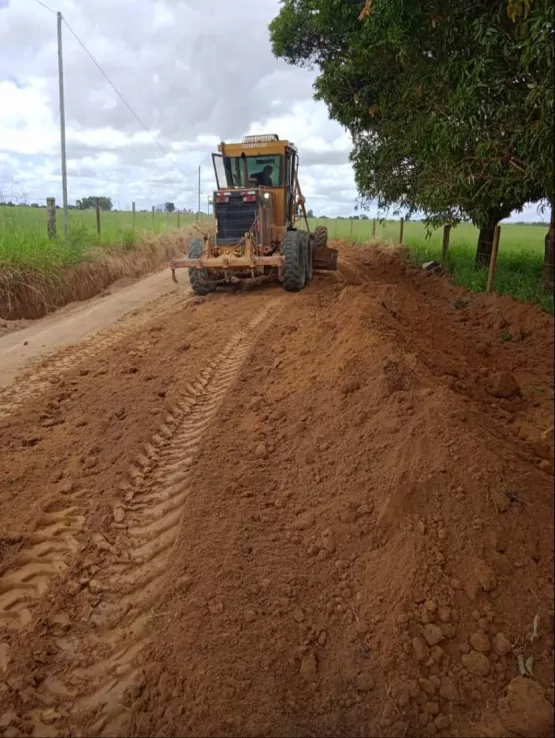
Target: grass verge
[(38, 276)]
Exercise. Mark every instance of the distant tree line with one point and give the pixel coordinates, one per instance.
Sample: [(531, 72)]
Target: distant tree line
[(88, 203), (310, 214)]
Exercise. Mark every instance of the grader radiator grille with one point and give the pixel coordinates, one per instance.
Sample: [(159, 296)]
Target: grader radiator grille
[(234, 217)]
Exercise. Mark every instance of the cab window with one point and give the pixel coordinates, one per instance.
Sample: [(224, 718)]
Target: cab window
[(262, 171)]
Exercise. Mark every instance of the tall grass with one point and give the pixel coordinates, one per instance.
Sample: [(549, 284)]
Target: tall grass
[(38, 275), (24, 243)]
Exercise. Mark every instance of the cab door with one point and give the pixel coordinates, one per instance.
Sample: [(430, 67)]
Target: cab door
[(290, 170)]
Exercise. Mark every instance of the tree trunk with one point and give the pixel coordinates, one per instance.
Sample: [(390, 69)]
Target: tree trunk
[(485, 238), (485, 243), (548, 264)]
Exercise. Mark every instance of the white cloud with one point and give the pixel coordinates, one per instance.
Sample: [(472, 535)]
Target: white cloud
[(195, 71), (26, 119)]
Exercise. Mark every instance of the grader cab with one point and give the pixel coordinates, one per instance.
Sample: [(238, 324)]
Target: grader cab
[(257, 204)]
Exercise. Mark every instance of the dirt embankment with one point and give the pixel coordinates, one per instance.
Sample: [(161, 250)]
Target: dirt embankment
[(30, 294), (328, 513)]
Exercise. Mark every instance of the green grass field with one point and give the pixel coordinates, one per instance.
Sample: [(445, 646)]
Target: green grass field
[(24, 241), (24, 244)]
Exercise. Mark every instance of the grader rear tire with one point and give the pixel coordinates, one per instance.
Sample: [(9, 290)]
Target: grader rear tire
[(294, 261), (324, 258), (320, 237)]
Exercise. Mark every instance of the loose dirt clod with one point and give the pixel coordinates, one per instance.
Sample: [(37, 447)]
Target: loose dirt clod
[(309, 667), (503, 384), (524, 709), (303, 521), (433, 634), (261, 452), (480, 642), (477, 663), (420, 648)]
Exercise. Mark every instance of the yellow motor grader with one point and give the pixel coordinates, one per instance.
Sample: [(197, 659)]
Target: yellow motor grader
[(257, 204)]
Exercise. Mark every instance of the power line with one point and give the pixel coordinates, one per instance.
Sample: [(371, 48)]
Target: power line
[(45, 6), (121, 97)]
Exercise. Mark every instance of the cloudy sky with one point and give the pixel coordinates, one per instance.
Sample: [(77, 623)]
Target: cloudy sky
[(195, 71)]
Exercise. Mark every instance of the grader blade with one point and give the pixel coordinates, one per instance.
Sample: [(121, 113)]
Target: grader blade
[(325, 259)]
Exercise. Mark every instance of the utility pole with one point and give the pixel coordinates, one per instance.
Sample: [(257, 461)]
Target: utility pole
[(198, 211), (62, 124)]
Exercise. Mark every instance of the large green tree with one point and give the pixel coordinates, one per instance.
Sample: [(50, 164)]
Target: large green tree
[(89, 203), (449, 104)]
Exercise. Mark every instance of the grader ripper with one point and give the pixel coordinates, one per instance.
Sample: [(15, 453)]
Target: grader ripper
[(256, 206)]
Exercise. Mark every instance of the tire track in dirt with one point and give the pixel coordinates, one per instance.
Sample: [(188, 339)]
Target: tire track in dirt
[(41, 378), (44, 557), (130, 570)]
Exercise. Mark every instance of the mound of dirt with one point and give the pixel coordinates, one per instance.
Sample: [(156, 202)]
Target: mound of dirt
[(370, 538)]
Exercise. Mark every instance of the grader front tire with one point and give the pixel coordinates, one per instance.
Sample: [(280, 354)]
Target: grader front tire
[(198, 277), (294, 262)]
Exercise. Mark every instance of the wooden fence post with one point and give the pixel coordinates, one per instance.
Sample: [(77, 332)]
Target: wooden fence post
[(402, 231), (178, 219), (493, 258), (153, 217), (97, 207), (133, 212), (548, 262), (51, 213), (445, 243), (373, 228)]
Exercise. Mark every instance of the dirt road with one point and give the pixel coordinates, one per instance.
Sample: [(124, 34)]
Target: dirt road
[(268, 514), (77, 330)]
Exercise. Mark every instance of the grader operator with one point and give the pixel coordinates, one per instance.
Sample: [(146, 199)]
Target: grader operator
[(257, 205)]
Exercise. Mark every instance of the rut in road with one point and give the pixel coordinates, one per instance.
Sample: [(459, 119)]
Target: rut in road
[(47, 373), (96, 677)]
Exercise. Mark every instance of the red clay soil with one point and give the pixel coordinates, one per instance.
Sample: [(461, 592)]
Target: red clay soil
[(359, 491)]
